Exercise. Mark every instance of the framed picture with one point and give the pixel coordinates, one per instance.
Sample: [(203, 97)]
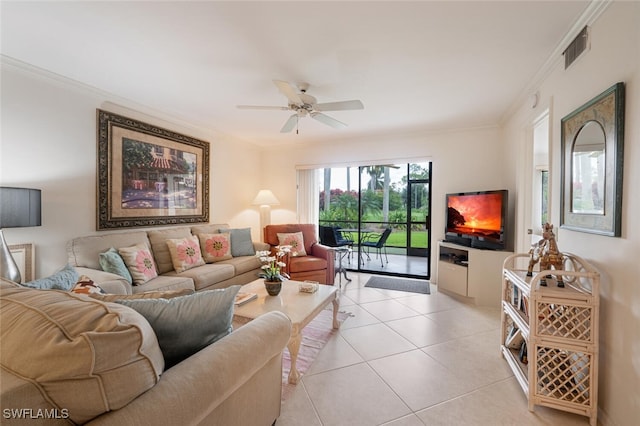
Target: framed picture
[(23, 254), (592, 161), (149, 176)]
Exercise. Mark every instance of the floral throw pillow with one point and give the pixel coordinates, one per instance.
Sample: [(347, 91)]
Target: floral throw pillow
[(293, 239), (140, 263), (215, 247), (185, 253), (85, 285)]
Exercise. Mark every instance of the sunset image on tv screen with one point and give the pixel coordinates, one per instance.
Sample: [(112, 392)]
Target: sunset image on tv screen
[(476, 214)]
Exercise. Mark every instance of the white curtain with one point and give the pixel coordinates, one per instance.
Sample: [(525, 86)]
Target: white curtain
[(308, 196)]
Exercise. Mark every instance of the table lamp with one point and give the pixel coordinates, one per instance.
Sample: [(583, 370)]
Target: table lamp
[(19, 207), (265, 199)]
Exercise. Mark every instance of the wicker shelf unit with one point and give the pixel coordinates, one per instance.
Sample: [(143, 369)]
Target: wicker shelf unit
[(550, 334)]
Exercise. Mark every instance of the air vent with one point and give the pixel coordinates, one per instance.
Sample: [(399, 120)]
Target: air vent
[(578, 46)]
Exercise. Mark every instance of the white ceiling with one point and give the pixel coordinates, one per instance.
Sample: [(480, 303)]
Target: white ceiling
[(416, 66)]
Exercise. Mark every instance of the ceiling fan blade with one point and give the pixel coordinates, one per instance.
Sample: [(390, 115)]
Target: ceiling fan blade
[(290, 124), (339, 106), (328, 120), (278, 108), (289, 91)]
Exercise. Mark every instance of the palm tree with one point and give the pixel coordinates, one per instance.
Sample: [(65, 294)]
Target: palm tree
[(327, 189)]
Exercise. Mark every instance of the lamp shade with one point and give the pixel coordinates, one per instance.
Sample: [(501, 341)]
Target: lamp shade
[(265, 198), (19, 207)]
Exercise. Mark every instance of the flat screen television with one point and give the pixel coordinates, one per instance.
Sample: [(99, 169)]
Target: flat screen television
[(477, 219)]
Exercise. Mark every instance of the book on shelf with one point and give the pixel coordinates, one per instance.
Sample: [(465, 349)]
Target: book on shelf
[(515, 339), (242, 298), (525, 307), (522, 355)]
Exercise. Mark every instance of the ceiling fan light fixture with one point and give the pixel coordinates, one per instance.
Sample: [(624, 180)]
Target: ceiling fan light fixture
[(303, 104)]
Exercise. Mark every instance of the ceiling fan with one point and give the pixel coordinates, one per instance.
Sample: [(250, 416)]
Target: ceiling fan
[(303, 104)]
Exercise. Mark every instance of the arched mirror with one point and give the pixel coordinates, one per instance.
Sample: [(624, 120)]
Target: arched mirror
[(592, 144), (588, 169)]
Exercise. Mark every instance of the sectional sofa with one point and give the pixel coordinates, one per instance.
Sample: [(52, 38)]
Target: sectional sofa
[(67, 358), (84, 255)]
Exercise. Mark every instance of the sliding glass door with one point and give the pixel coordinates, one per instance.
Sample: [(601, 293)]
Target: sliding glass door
[(367, 201)]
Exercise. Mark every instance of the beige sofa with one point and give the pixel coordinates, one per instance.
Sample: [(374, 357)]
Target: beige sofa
[(83, 254), (67, 358)]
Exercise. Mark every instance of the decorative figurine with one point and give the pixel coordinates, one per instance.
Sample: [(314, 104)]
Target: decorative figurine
[(546, 251)]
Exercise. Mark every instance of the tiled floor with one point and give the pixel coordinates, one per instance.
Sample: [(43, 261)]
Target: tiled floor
[(408, 359)]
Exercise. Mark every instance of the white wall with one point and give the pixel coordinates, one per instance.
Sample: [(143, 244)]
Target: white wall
[(49, 142), (464, 160), (614, 57)]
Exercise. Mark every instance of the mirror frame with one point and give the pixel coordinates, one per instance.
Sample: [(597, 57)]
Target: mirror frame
[(607, 109)]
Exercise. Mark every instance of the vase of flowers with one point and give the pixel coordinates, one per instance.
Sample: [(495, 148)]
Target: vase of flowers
[(271, 269)]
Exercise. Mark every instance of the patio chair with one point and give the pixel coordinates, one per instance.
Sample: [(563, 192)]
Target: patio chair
[(332, 237), (377, 241)]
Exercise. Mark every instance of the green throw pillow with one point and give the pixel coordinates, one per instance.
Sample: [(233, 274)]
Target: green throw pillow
[(111, 261), (241, 244), (64, 279), (186, 324)]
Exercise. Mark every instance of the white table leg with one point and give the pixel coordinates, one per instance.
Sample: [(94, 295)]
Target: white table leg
[(294, 348)]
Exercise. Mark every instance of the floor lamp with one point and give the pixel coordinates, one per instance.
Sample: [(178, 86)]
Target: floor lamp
[(265, 199), (19, 207)]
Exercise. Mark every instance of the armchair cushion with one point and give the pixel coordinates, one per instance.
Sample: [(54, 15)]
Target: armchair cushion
[(295, 240)]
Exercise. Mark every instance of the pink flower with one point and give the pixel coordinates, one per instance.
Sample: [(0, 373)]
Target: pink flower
[(293, 242), (145, 264), (217, 246), (189, 252)]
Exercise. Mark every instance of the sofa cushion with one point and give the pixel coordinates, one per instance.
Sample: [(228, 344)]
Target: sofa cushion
[(85, 285), (244, 264), (64, 279), (241, 244), (186, 324), (295, 240), (169, 281), (215, 247), (139, 261), (210, 228), (146, 295), (111, 261), (158, 239), (206, 275), (185, 253), (86, 356), (85, 251)]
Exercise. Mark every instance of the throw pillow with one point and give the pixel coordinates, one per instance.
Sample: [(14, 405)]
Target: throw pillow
[(64, 279), (168, 294), (215, 247), (241, 244), (85, 285), (295, 240), (140, 263), (184, 325), (185, 253), (111, 261)]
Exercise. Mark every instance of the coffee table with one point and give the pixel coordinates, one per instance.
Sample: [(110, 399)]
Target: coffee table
[(300, 307)]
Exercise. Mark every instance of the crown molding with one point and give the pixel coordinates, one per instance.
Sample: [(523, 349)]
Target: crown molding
[(587, 18)]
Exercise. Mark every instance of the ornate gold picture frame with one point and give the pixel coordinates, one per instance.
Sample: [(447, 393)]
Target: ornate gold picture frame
[(149, 176)]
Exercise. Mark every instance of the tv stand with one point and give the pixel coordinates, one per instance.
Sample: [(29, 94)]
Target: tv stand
[(472, 273)]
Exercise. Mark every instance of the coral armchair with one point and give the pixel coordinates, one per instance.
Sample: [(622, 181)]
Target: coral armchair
[(317, 265)]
